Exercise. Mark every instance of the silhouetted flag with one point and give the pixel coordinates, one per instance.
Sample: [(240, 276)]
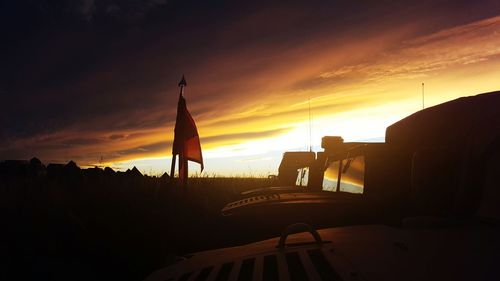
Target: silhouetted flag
[(186, 139)]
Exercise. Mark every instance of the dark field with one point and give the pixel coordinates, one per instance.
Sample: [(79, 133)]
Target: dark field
[(74, 224)]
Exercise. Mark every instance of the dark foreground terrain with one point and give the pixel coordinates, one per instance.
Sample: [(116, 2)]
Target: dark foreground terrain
[(61, 222)]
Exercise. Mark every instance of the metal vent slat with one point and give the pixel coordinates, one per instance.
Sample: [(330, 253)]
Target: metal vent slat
[(214, 272), (270, 272), (323, 266), (246, 271), (185, 276), (204, 273), (282, 267), (235, 271), (224, 272), (308, 266), (258, 268), (295, 267)]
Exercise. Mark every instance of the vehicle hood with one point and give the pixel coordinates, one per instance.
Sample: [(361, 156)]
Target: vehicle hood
[(273, 189), (291, 198), (353, 253)]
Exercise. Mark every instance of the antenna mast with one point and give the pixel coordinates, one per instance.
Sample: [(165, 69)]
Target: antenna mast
[(310, 127), (423, 101)]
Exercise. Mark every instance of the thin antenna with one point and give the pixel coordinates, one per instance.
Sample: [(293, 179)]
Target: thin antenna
[(423, 100), (310, 127)]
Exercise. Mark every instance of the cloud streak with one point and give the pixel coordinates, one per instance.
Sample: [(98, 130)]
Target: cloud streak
[(430, 54)]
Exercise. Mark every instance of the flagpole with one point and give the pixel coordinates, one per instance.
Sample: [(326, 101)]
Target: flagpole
[(172, 167), (185, 174), (181, 84), (182, 158)]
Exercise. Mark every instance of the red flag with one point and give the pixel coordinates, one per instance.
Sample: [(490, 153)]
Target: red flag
[(186, 139)]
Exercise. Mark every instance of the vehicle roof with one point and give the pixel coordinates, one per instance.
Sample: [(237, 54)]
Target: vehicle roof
[(450, 122)]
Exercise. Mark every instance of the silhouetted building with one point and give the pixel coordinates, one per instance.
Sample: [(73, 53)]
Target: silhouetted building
[(21, 169), (10, 169), (93, 173), (72, 171), (37, 168), (134, 172), (55, 171), (109, 172), (35, 162), (165, 176)]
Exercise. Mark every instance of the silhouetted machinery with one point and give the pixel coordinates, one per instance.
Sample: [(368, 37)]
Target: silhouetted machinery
[(303, 171), (338, 186), (424, 205)]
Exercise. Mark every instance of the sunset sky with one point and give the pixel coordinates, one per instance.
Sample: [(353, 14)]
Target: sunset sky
[(95, 81)]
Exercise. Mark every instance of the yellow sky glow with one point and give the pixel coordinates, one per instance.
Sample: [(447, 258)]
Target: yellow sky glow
[(355, 90)]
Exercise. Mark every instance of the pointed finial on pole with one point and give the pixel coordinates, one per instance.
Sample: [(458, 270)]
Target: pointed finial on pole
[(183, 83)]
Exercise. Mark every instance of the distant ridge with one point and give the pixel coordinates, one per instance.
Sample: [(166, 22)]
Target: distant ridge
[(10, 169)]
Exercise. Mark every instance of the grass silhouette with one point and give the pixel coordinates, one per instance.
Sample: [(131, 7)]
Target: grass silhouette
[(109, 225)]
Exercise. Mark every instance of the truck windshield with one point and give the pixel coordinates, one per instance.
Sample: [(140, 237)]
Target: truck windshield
[(330, 177), (302, 176), (347, 175)]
